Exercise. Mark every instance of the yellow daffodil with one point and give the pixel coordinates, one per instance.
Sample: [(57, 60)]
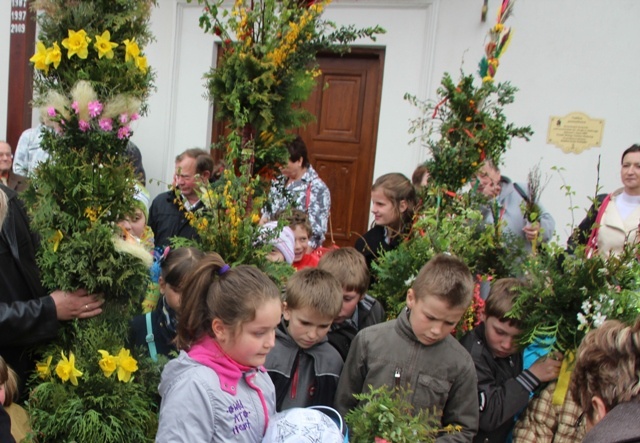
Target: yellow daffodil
[(66, 369), (131, 50), (77, 44), (104, 45), (108, 363), (54, 55), (56, 238), (44, 368), (39, 59), (255, 218), (91, 214), (126, 365), (141, 64)]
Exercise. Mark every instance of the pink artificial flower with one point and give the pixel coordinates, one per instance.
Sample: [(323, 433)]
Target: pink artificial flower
[(135, 116), (83, 125), (95, 108), (124, 132), (74, 106), (124, 118), (380, 440), (106, 124), (51, 111)]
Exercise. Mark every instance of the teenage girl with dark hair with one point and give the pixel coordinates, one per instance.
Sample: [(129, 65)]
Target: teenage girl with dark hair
[(393, 200)]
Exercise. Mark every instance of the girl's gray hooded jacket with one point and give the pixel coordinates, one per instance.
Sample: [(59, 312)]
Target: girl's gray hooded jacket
[(196, 408)]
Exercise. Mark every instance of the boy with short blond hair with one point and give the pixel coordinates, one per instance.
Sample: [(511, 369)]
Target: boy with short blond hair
[(418, 352), (303, 366), (359, 309), (504, 388)]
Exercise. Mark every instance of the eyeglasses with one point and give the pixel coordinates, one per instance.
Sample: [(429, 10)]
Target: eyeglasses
[(6, 154)]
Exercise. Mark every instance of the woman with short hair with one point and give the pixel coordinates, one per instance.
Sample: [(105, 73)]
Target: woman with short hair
[(606, 382)]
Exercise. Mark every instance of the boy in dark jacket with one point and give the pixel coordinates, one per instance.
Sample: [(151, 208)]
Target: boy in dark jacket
[(303, 366), (504, 388), (417, 351), (359, 309)]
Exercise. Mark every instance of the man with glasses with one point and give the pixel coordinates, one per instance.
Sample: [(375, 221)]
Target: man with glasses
[(167, 213), (7, 176)]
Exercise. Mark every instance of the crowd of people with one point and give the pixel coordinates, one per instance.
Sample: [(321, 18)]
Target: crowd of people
[(241, 350)]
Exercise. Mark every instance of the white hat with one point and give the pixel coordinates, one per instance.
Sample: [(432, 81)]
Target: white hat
[(285, 242), (301, 425)]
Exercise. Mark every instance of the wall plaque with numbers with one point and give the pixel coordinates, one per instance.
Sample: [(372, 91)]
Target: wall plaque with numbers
[(575, 132), (21, 47)]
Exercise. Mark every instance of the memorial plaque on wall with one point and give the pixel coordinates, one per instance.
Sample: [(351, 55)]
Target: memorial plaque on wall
[(21, 47), (575, 132)]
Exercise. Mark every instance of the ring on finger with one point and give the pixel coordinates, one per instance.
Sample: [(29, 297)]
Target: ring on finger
[(86, 307)]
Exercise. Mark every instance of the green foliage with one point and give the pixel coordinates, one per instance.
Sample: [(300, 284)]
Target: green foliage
[(570, 294), (229, 225), (268, 68), (464, 127), (444, 224), (388, 414), (75, 200), (99, 409)]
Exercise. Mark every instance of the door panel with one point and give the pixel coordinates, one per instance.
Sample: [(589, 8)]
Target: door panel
[(342, 141)]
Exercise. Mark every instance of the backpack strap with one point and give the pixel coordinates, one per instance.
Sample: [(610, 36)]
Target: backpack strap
[(592, 242), (523, 194), (150, 338)]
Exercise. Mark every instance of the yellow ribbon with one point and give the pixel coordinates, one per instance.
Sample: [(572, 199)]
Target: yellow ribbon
[(564, 378)]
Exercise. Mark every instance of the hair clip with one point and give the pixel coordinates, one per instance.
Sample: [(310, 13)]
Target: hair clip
[(164, 255), (223, 269)]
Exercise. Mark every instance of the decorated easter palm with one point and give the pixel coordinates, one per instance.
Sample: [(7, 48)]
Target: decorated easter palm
[(91, 82)]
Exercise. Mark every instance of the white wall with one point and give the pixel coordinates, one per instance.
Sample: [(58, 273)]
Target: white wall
[(565, 55), (179, 116)]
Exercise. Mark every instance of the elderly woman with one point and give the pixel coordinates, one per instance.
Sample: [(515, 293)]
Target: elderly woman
[(300, 186), (613, 220), (28, 315), (605, 382)]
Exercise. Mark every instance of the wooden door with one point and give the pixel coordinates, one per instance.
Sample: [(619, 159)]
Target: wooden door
[(342, 140)]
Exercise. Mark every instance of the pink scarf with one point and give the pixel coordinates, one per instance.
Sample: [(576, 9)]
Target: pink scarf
[(208, 352)]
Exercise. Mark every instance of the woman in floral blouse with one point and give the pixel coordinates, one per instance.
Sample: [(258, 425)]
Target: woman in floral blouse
[(300, 187)]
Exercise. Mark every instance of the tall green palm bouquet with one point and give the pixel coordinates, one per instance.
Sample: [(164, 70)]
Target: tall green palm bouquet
[(92, 81)]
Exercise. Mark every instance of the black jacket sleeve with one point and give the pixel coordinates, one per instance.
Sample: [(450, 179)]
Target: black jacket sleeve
[(24, 323)]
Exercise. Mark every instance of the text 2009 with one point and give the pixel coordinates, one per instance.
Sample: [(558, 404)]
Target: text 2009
[(18, 28)]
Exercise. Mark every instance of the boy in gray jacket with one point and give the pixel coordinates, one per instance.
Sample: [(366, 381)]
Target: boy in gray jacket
[(417, 350)]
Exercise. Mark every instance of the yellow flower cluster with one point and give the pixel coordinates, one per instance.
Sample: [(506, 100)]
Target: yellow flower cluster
[(77, 44), (231, 212), (279, 55), (123, 362), (66, 368), (92, 214)]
